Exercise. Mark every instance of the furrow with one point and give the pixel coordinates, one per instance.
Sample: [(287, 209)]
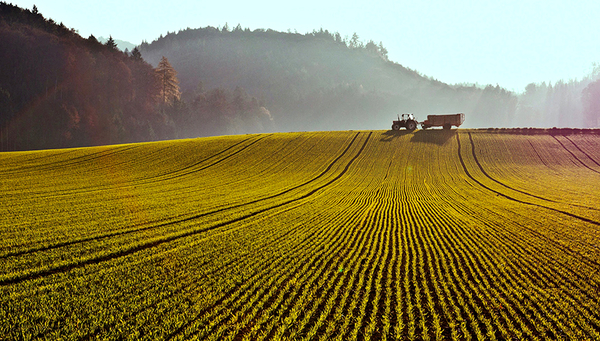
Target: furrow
[(372, 255), (539, 156), (342, 271), (285, 289), (182, 218), (106, 151), (294, 279), (575, 156), (514, 245), (476, 267), (582, 151), (257, 279), (587, 220), (121, 184), (335, 178), (363, 263), (189, 169), (493, 179), (352, 260)]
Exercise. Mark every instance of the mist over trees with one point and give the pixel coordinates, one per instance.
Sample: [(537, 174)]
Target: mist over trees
[(591, 103), (321, 81), (314, 81), (564, 104), (58, 89)]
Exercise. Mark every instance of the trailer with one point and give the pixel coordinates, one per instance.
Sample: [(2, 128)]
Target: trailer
[(446, 121)]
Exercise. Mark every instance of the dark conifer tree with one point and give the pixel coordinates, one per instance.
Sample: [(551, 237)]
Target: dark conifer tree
[(136, 54), (110, 43)]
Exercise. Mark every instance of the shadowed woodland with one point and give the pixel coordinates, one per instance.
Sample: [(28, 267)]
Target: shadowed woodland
[(58, 89)]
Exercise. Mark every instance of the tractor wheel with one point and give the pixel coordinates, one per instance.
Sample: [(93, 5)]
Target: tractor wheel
[(411, 125), (447, 126), (396, 127)]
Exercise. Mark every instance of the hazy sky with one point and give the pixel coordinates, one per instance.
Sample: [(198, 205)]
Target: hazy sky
[(510, 43)]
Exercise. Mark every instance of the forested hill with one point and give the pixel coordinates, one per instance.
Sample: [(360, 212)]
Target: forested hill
[(319, 81), (58, 89)]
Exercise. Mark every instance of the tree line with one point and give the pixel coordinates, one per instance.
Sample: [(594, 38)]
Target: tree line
[(209, 112), (575, 103), (319, 80), (58, 89)]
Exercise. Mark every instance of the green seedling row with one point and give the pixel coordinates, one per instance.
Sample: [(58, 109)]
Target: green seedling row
[(366, 235)]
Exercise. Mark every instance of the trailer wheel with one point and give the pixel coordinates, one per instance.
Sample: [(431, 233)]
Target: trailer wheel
[(396, 127), (411, 125), (447, 126)]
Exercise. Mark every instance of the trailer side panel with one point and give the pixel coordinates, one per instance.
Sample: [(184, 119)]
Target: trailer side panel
[(441, 120)]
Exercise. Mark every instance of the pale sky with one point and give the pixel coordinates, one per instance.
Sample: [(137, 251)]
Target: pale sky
[(509, 43)]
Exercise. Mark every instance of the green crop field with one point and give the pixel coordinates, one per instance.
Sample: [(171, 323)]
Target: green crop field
[(467, 234)]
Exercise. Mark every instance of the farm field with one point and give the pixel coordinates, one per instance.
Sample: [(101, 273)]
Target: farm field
[(462, 234)]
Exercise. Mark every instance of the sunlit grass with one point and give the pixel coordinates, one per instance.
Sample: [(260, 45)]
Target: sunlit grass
[(336, 235)]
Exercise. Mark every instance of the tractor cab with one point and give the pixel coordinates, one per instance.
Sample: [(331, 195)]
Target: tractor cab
[(408, 121)]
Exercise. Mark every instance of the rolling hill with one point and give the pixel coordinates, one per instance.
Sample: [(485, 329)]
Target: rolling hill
[(318, 81), (341, 235), (58, 89)]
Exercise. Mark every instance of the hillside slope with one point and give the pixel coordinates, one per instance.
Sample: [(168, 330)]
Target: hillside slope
[(344, 235), (317, 81), (59, 90)]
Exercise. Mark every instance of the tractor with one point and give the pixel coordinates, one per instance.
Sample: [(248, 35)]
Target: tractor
[(408, 121)]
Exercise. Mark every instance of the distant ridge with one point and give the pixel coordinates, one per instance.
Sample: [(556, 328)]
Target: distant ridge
[(121, 44), (319, 81)]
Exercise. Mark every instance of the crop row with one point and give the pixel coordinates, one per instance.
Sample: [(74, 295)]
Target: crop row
[(429, 235), (162, 228)]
